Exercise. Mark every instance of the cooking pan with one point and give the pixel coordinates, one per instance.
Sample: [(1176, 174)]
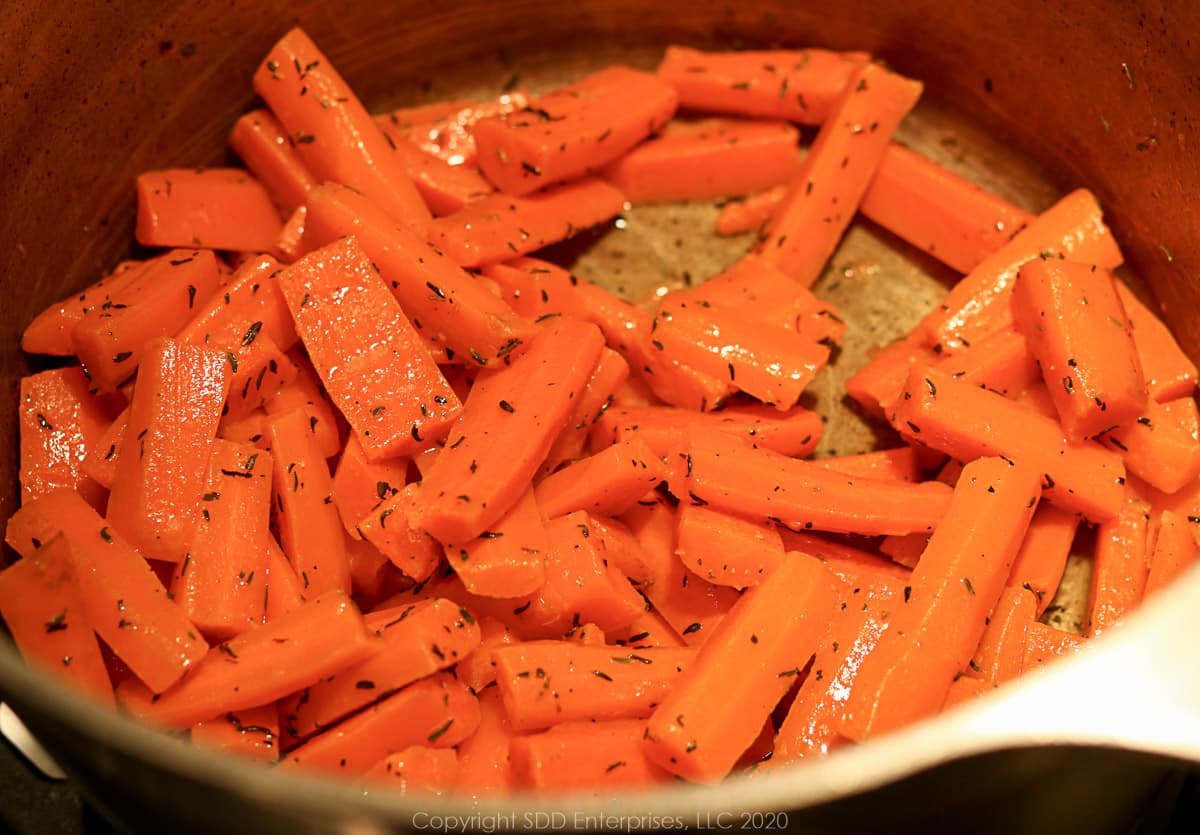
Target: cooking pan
[(1032, 98)]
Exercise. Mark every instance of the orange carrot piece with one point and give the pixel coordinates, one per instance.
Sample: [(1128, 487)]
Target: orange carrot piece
[(417, 770), (964, 689), (368, 355), (215, 582), (478, 670), (1001, 361), (876, 384), (252, 294), (708, 159), (750, 213), (508, 561), (289, 245), (760, 484), (1161, 447), (332, 131), (1001, 648), (284, 590), (445, 129), (372, 575), (309, 528), (968, 422), (158, 302), (483, 765), (947, 601), (1045, 643), (360, 485), (798, 85), (252, 733), (585, 756), (507, 427), (1176, 548), (305, 393), (604, 484), (649, 630), (123, 599), (43, 607), (498, 227), (162, 465), (611, 372), (214, 208), (445, 188), (50, 330), (1120, 564), (939, 212), (751, 661), (271, 156), (823, 197), (1043, 556), (436, 711), (905, 550), (388, 527), (898, 464), (849, 564), (572, 131), (1169, 372), (982, 301), (258, 370), (544, 683), (725, 549), (100, 463)]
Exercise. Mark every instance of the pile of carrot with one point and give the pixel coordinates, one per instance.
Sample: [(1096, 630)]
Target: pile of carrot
[(346, 479)]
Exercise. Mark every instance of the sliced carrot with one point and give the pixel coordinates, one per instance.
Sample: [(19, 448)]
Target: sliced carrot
[(122, 598), (967, 422), (162, 465), (798, 85), (1120, 564), (584, 756), (445, 129), (289, 245), (360, 485), (725, 549), (215, 208), (258, 370), (898, 464), (1169, 372), (445, 188), (611, 372), (905, 550), (939, 212), (309, 528), (1176, 548), (284, 589), (43, 607), (876, 384), (823, 197), (332, 131), (1161, 447), (252, 295), (1001, 649), (605, 484), (388, 527), (372, 363), (508, 561), (271, 156), (372, 574), (847, 563), (158, 302), (478, 670), (416, 770), (1045, 643), (498, 227), (716, 710), (650, 629), (252, 733), (483, 765), (1001, 361), (100, 463), (1043, 556), (50, 330), (982, 301), (305, 393), (572, 131)]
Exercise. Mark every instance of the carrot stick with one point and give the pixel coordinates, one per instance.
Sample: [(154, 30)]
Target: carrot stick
[(122, 598), (597, 398), (289, 244), (309, 528), (267, 151), (435, 711), (898, 464), (372, 574), (584, 756), (751, 661), (707, 159), (1045, 643), (946, 604), (215, 208), (360, 485), (1176, 549), (50, 330), (478, 670), (849, 564), (498, 227), (252, 733), (508, 424), (982, 301), (43, 607), (332, 131), (389, 528), (1001, 649), (1169, 372), (968, 422), (508, 561), (305, 393), (162, 466), (822, 199), (937, 211), (876, 384), (445, 129), (258, 370), (1162, 446), (374, 366), (605, 484), (215, 584), (725, 549), (1119, 566), (253, 295), (1043, 556), (750, 213), (158, 302), (483, 765), (798, 85), (416, 771), (572, 131), (544, 683), (1001, 361), (284, 590), (445, 188)]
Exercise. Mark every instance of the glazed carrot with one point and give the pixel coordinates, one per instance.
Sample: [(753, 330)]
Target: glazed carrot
[(483, 766), (498, 227), (305, 393), (1001, 649), (1045, 643), (1043, 556), (1001, 361), (798, 85), (759, 484), (435, 711), (947, 601), (905, 550), (939, 212), (162, 465), (250, 733), (1119, 564), (707, 159), (1169, 372), (445, 188), (725, 549), (100, 463), (605, 484), (544, 683), (876, 384), (510, 559), (221, 582), (967, 422), (389, 528), (749, 213), (158, 302), (584, 756), (289, 244), (982, 301), (1161, 447), (898, 464), (417, 640), (823, 196), (1076, 327), (258, 370), (1176, 549), (417, 770), (849, 564), (42, 605), (251, 295), (360, 485), (284, 589), (478, 670), (331, 130), (572, 131), (122, 598), (215, 208), (508, 424), (963, 689), (374, 366), (650, 629), (445, 304), (309, 528), (751, 660), (597, 398), (445, 129), (372, 574), (271, 156), (50, 330)]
